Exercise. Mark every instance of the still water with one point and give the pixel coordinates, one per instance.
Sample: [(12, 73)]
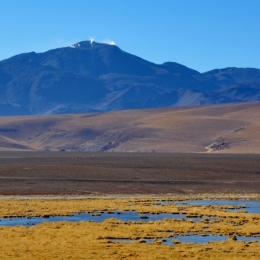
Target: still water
[(250, 206), (95, 216), (197, 239)]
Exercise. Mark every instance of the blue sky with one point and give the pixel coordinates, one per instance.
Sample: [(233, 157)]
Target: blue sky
[(202, 34)]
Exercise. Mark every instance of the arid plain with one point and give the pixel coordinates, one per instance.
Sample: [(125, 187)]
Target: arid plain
[(61, 173)]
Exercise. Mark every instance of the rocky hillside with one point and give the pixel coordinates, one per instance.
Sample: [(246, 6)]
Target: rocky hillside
[(94, 77)]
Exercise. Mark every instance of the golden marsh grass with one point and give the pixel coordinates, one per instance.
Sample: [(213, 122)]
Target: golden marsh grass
[(92, 240)]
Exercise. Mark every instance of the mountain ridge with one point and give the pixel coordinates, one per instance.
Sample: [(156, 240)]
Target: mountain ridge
[(90, 76)]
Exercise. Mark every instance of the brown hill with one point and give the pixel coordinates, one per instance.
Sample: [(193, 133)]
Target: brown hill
[(231, 128)]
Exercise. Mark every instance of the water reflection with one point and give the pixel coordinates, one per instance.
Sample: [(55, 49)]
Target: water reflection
[(95, 216)]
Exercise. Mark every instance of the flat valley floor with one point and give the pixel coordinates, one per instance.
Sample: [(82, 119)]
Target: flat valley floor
[(69, 173)]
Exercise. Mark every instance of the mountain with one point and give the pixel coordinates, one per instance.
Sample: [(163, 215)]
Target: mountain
[(94, 77)]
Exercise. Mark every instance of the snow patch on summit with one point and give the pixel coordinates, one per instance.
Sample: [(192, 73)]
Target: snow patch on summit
[(108, 41), (77, 45)]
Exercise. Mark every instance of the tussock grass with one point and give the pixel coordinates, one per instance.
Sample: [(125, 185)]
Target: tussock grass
[(92, 240)]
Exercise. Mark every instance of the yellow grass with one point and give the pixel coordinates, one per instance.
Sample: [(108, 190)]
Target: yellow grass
[(91, 240)]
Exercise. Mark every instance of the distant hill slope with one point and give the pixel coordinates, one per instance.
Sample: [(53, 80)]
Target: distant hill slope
[(229, 128), (94, 77)]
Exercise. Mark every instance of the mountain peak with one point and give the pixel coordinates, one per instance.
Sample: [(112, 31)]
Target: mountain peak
[(90, 44)]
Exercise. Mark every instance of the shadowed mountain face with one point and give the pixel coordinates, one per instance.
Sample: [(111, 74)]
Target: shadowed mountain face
[(90, 76)]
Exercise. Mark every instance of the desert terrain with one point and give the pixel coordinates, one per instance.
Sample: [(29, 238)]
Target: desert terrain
[(231, 128), (174, 150), (61, 173)]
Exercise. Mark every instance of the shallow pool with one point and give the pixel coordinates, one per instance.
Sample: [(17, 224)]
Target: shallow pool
[(95, 216), (198, 239)]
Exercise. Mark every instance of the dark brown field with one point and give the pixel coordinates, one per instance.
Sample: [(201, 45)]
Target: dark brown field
[(29, 173)]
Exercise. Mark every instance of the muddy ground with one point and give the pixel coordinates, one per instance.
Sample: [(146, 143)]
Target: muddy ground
[(64, 173)]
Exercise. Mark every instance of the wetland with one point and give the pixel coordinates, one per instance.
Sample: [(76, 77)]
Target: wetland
[(130, 228)]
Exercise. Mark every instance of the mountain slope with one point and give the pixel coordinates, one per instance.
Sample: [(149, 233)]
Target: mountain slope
[(89, 77), (231, 76), (230, 128)]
